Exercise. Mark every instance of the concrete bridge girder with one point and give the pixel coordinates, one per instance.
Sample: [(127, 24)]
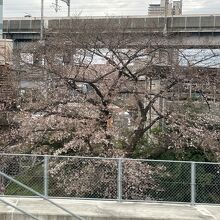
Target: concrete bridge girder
[(178, 42)]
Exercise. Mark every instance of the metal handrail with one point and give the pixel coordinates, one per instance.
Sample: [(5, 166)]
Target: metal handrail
[(20, 210), (40, 195), (107, 158)]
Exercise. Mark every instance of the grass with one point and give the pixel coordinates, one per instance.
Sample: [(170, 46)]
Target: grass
[(33, 178)]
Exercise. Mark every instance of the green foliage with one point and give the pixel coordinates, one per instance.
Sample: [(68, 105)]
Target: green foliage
[(193, 106), (175, 185), (207, 183), (32, 178), (186, 154)]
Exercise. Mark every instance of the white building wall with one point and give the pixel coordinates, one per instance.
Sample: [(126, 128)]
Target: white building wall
[(177, 7), (6, 48), (165, 8)]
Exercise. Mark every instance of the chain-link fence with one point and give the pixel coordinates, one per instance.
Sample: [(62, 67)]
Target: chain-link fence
[(111, 179)]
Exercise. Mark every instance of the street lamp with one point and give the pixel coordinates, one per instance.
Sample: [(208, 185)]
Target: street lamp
[(1, 19), (42, 20), (68, 4)]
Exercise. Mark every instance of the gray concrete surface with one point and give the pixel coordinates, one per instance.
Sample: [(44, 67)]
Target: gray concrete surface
[(107, 210), (185, 23), (201, 27)]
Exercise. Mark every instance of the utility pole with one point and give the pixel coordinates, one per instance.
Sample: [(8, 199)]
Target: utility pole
[(165, 16), (1, 19), (42, 21), (68, 8)]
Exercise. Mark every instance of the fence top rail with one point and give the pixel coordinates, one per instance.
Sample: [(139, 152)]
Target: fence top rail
[(108, 158)]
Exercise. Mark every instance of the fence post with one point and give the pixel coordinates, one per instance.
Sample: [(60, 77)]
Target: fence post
[(193, 183), (46, 175), (119, 182)]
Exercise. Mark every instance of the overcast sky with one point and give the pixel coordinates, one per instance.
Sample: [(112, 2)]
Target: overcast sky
[(14, 8)]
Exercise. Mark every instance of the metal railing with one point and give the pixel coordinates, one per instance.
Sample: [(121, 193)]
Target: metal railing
[(18, 183), (18, 209), (118, 179)]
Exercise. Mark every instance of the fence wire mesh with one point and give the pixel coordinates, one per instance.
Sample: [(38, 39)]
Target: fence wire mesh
[(27, 170), (109, 178), (208, 183), (156, 181), (82, 178)]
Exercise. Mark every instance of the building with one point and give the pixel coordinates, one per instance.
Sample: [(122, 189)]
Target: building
[(165, 8), (177, 7), (154, 10), (6, 48)]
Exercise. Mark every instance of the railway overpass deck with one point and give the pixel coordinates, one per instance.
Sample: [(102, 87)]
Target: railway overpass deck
[(187, 23), (199, 31)]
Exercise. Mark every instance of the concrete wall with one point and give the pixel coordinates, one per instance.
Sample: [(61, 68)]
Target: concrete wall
[(21, 25), (174, 24)]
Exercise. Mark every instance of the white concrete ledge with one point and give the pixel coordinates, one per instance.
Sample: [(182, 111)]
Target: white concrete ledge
[(106, 210)]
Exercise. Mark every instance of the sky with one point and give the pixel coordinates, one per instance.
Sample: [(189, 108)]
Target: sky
[(20, 8)]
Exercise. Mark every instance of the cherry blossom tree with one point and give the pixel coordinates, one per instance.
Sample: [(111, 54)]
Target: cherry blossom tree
[(103, 93), (97, 91)]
